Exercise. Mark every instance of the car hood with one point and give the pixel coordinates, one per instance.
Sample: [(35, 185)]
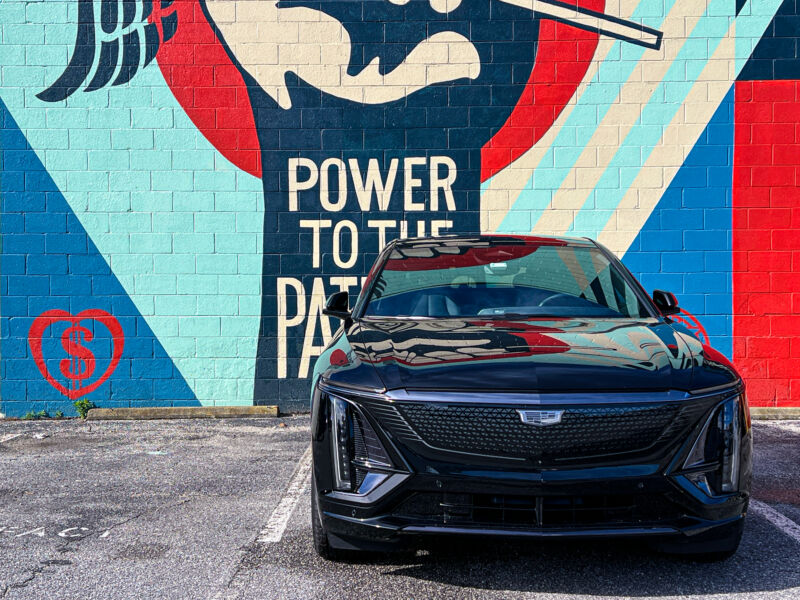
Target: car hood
[(534, 355)]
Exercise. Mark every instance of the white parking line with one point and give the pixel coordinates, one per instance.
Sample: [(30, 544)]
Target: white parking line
[(792, 426), (298, 484), (781, 521)]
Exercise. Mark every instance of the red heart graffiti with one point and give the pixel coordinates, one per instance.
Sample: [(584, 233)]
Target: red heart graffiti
[(81, 364)]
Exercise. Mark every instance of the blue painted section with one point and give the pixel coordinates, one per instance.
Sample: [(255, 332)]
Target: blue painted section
[(685, 245), (49, 262)]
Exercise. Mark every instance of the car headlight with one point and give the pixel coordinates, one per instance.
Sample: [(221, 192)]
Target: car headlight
[(713, 462), (360, 462)]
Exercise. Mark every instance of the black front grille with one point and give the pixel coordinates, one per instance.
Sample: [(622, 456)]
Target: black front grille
[(499, 430), (535, 512)]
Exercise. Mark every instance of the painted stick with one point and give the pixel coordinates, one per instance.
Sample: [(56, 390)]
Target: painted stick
[(591, 20)]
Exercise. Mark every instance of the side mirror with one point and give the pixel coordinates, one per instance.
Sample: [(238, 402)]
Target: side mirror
[(666, 302), (338, 305)]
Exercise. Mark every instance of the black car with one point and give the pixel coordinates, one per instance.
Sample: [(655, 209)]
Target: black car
[(524, 387)]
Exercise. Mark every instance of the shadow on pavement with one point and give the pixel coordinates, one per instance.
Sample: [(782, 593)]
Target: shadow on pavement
[(767, 561)]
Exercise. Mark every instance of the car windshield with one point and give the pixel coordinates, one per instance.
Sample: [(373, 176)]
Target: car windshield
[(501, 278)]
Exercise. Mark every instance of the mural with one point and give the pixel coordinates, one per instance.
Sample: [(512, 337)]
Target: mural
[(185, 181)]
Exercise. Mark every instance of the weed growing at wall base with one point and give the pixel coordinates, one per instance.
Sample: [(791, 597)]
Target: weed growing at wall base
[(83, 407)]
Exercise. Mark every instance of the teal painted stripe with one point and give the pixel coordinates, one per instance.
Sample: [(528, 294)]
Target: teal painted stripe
[(662, 107), (176, 179), (581, 123)]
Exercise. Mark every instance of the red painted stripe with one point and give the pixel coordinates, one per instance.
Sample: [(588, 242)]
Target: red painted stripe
[(766, 241), (562, 59), (210, 88)]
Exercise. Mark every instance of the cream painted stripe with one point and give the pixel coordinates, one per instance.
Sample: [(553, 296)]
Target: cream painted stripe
[(679, 138), (621, 117), (505, 186)]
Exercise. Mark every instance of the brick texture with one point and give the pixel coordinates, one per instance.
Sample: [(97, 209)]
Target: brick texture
[(199, 176), (766, 240)]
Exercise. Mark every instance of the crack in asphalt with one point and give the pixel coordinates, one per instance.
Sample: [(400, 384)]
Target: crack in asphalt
[(240, 565), (228, 586), (139, 515), (24, 583), (34, 572), (244, 562), (40, 571), (65, 545)]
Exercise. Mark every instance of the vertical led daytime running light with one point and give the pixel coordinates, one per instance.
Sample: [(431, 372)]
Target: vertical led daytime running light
[(714, 458), (340, 444), (730, 455)]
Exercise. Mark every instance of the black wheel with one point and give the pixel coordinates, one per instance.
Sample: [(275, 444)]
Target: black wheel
[(321, 544), (714, 546)]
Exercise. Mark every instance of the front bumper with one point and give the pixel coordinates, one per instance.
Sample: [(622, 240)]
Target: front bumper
[(433, 492), (674, 509)]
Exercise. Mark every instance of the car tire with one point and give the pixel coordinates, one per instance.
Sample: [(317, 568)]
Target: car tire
[(322, 545), (713, 546)]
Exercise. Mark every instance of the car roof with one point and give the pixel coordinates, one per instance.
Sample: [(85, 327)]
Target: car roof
[(451, 240)]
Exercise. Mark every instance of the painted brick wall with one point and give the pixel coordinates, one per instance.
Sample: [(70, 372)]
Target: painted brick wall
[(184, 181), (766, 240)]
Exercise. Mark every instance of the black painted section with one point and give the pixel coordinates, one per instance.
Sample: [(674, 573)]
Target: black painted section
[(777, 55)]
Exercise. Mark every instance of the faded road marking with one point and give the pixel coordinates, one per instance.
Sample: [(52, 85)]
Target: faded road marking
[(276, 525), (781, 521), (792, 426), (8, 437)]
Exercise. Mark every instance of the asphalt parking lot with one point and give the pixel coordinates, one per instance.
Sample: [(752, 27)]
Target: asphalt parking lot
[(220, 509)]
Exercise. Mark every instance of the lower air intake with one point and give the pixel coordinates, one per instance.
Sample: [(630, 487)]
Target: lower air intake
[(535, 512)]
